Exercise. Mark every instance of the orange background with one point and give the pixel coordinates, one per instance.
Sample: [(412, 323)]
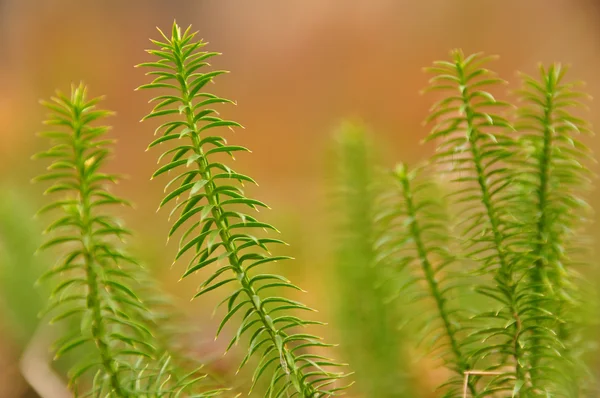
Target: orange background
[(297, 68)]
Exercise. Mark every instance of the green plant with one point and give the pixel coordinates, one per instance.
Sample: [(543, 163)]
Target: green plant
[(368, 319), (19, 237), (517, 198), (474, 140), (516, 175), (416, 236), (217, 229), (95, 280), (509, 231), (555, 176)]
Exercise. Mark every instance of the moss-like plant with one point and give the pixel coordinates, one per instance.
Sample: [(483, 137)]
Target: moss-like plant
[(219, 232), (518, 188), (516, 176), (369, 321), (417, 237), (474, 139), (555, 176), (95, 279)]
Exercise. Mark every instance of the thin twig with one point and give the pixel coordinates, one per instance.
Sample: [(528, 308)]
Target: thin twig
[(477, 373)]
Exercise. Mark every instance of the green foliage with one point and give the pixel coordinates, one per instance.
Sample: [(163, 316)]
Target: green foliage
[(518, 196), (19, 237), (217, 230), (416, 237), (474, 140), (370, 322), (554, 178), (511, 230), (95, 279)]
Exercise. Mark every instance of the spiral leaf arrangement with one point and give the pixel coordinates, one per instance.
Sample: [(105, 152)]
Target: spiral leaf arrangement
[(219, 233), (517, 186), (555, 176), (95, 280), (519, 195), (474, 141), (417, 238)]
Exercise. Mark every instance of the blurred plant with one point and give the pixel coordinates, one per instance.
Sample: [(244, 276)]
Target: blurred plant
[(19, 269), (474, 139), (517, 201), (219, 233), (554, 178), (96, 279), (416, 239), (370, 323), (520, 216)]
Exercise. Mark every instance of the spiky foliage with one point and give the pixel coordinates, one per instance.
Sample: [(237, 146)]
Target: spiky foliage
[(95, 278), (474, 140), (369, 321), (555, 175), (220, 233), (416, 238)]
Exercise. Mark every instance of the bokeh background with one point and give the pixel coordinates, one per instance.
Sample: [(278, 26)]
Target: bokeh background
[(298, 68)]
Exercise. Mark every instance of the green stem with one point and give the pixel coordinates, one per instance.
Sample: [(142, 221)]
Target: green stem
[(93, 302), (286, 357), (432, 282), (539, 271), (504, 276)]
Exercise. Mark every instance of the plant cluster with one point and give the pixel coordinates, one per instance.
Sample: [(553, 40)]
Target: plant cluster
[(507, 231), (509, 228)]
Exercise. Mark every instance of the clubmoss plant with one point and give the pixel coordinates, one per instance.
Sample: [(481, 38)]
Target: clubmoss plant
[(555, 177), (217, 230), (95, 279), (518, 187), (370, 323), (515, 177), (417, 237), (474, 138)]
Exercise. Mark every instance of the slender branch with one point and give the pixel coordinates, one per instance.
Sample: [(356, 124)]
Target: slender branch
[(505, 274), (287, 359), (423, 253), (93, 300)]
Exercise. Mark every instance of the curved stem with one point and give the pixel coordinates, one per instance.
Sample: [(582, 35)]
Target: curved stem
[(286, 357)]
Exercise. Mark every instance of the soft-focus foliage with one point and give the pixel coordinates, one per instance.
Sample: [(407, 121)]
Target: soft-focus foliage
[(554, 176), (375, 346), (96, 279), (19, 270), (517, 190), (416, 239)]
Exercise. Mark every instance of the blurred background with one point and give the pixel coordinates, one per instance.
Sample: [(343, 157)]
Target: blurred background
[(298, 68)]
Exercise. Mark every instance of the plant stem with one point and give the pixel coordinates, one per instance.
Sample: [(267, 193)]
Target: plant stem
[(93, 302), (286, 357), (539, 271), (505, 276), (432, 282)]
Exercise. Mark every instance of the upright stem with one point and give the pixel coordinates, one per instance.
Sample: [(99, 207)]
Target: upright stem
[(432, 282), (504, 276), (93, 302), (286, 358), (539, 271)]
